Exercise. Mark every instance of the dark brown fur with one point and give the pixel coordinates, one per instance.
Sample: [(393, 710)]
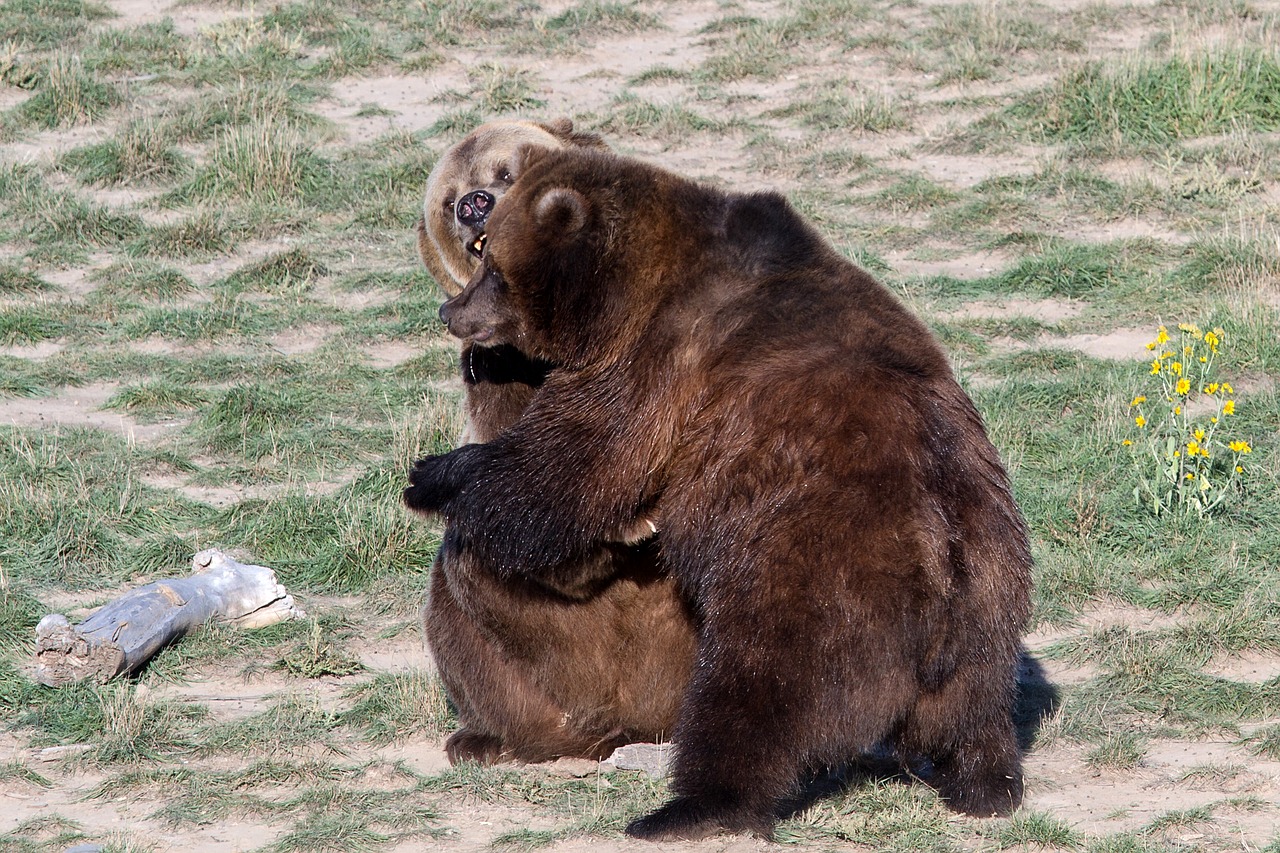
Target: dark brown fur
[(537, 673), (825, 492)]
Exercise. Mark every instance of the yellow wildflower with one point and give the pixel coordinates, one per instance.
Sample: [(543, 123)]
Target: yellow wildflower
[(1239, 470), (1190, 328), (1204, 360), (1188, 350), (1227, 389), (1140, 421), (1166, 354), (1176, 367), (1183, 387), (1212, 388), (1193, 448), (1191, 476), (1177, 410), (1213, 420), (1199, 435), (1229, 407), (1213, 339), (1141, 398), (1240, 447), (1151, 345), (1155, 367), (1127, 443), (1162, 335)]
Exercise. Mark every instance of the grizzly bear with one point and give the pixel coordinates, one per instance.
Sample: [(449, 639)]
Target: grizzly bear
[(462, 188), (824, 491), (537, 673)]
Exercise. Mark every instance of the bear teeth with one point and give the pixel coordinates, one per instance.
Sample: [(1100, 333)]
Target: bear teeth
[(477, 246)]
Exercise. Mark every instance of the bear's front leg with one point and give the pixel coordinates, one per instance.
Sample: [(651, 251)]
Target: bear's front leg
[(500, 512), (435, 482)]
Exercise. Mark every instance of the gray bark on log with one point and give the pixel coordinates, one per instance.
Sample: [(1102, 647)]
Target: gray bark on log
[(127, 632)]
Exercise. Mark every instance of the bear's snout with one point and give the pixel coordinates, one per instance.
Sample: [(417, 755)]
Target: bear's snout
[(462, 323), (473, 209)]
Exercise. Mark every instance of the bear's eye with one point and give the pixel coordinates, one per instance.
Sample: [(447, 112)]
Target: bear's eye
[(448, 205), (504, 175)]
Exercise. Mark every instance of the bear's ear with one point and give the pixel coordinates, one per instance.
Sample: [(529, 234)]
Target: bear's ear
[(562, 129), (561, 211)]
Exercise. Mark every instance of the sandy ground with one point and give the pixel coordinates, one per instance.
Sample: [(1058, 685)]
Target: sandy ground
[(1173, 776)]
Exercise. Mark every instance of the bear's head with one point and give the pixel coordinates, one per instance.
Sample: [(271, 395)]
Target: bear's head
[(466, 183), (591, 253), (573, 256)]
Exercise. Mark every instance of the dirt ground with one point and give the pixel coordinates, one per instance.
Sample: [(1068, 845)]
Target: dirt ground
[(1174, 775)]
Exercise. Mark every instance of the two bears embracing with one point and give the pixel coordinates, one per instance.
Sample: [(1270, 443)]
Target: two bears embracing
[(729, 492)]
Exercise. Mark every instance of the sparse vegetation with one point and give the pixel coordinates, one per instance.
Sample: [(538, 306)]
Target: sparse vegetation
[(214, 331)]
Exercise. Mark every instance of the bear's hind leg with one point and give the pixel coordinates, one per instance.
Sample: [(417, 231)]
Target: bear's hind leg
[(756, 719), (977, 766), (735, 762), (695, 818)]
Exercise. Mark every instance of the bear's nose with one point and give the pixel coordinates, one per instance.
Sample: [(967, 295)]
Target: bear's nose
[(446, 312), (474, 208)]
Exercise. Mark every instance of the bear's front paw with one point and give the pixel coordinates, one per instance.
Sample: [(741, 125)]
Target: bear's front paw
[(430, 486)]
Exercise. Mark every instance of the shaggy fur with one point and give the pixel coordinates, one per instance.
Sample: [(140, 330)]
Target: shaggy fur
[(499, 384), (824, 490), (537, 673)]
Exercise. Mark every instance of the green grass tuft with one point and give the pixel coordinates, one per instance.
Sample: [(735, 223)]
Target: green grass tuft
[(49, 24), (1265, 742), (143, 279), (1027, 828), (144, 154), (267, 161), (630, 114), (591, 19), (156, 398), (273, 103), (1070, 271), (317, 656), (292, 272), (67, 94), (154, 48), (20, 325), (1117, 752), (249, 418), (19, 613), (498, 89), (201, 235), (840, 108), (395, 706), (1151, 101), (16, 281)]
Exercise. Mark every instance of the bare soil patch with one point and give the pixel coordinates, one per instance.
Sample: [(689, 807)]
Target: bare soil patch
[(763, 129)]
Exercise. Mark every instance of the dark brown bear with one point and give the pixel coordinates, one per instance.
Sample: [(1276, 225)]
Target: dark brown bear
[(824, 491), (537, 673)]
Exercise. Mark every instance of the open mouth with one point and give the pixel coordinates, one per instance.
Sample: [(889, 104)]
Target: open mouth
[(476, 246)]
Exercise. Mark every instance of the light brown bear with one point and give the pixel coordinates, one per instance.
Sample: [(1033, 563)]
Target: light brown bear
[(462, 188), (824, 491), (536, 672)]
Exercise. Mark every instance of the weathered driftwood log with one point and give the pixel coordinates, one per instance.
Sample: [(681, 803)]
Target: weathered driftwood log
[(127, 632)]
